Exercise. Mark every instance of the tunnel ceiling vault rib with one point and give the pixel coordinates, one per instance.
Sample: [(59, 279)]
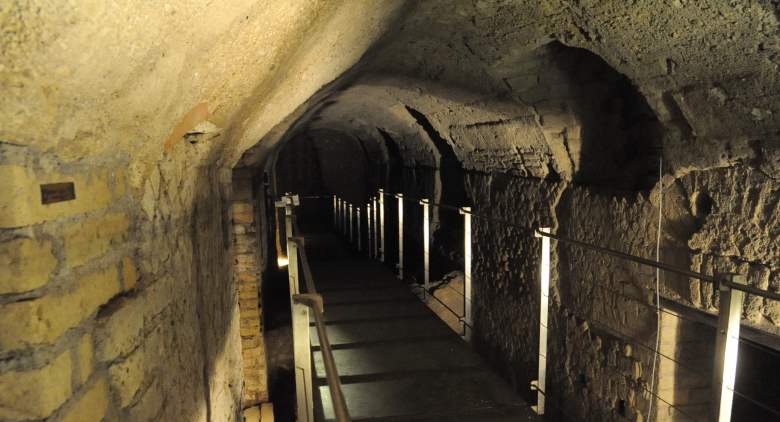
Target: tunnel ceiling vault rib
[(509, 97)]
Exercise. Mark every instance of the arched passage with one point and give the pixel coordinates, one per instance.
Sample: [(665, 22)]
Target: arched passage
[(140, 169)]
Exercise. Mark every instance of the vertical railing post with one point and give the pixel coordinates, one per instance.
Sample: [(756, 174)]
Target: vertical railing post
[(426, 245), (344, 217), (544, 298), (467, 322), (726, 348), (300, 320), (351, 226), (335, 213), (359, 233), (400, 197), (376, 228), (369, 228), (338, 214), (381, 225)]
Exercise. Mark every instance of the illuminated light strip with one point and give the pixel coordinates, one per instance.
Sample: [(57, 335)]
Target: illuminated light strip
[(359, 237), (540, 384), (343, 217), (369, 227), (381, 225), (426, 244), (376, 228), (338, 214), (466, 211), (351, 230), (400, 197), (727, 347)]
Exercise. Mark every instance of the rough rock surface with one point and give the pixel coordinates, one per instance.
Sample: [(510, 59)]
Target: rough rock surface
[(539, 113)]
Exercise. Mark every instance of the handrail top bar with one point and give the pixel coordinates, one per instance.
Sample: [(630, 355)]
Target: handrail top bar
[(652, 263), (638, 259), (312, 300), (718, 281)]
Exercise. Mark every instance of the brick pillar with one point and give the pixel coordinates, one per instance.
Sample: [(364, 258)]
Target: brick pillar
[(246, 273)]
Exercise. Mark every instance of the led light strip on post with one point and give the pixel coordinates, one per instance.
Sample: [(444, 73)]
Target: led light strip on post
[(426, 246), (344, 217), (351, 230), (466, 212), (400, 197), (726, 348), (544, 297), (376, 229), (369, 225), (335, 212), (381, 225), (359, 234), (337, 226)]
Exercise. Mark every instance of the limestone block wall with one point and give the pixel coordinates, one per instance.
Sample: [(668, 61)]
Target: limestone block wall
[(117, 301)]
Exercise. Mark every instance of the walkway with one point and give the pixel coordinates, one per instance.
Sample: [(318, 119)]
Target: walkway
[(397, 360)]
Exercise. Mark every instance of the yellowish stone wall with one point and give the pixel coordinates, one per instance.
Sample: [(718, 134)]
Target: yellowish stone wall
[(113, 307), (60, 265)]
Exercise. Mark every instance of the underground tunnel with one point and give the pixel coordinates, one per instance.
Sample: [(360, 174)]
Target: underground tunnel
[(487, 210)]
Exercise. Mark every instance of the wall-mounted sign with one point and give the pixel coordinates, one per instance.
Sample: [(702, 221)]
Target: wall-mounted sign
[(57, 192)]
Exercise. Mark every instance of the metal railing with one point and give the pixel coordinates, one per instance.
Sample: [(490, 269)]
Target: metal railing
[(732, 289), (300, 304)]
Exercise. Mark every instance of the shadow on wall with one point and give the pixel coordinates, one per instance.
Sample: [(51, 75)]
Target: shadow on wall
[(617, 142), (449, 188)]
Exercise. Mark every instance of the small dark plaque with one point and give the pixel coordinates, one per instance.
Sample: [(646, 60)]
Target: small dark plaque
[(57, 192)]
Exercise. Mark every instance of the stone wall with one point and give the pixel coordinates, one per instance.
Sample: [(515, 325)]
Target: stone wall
[(125, 293), (110, 309), (559, 113), (122, 302)]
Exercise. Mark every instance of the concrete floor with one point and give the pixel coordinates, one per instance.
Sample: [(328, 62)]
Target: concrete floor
[(397, 360)]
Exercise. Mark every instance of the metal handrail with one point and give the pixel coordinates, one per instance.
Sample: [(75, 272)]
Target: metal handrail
[(666, 267), (717, 281), (314, 301), (307, 275)]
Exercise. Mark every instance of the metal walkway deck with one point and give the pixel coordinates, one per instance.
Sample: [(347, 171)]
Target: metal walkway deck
[(397, 360)]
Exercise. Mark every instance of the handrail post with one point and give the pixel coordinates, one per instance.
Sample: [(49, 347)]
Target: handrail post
[(359, 234), (376, 228), (381, 225), (426, 246), (343, 217), (369, 228), (335, 212), (400, 197), (467, 322), (727, 347), (300, 321), (315, 303), (351, 225), (337, 225), (344, 227), (544, 298)]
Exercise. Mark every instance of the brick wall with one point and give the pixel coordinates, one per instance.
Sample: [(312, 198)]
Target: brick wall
[(60, 265), (118, 303), (246, 273)]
